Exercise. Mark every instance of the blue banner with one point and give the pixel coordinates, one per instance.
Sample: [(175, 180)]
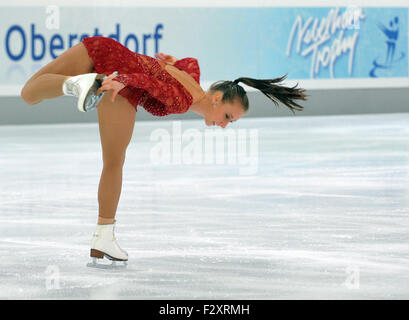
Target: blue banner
[(311, 43)]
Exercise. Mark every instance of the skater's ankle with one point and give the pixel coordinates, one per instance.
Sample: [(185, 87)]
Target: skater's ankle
[(65, 87), (102, 220)]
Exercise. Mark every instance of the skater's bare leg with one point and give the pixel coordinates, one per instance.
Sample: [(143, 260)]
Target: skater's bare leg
[(47, 82), (116, 122), (46, 86)]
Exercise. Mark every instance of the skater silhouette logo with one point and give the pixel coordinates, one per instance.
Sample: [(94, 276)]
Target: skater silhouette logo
[(391, 33)]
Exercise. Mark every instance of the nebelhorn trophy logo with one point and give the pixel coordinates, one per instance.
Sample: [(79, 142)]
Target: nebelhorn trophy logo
[(391, 33)]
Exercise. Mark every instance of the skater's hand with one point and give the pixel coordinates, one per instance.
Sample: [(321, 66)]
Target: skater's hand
[(109, 84), (166, 58)]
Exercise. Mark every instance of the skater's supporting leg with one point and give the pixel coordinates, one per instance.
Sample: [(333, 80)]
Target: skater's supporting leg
[(72, 62), (109, 191), (116, 122)]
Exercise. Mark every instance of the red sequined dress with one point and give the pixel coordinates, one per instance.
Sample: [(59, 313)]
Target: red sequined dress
[(146, 83)]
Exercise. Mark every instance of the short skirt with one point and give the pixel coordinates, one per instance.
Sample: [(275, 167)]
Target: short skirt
[(109, 55)]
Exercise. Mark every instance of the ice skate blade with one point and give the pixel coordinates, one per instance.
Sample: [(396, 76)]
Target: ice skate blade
[(106, 266), (99, 255), (113, 266), (90, 100)]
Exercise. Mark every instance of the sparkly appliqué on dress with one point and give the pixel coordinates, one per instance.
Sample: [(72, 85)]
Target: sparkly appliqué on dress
[(147, 83)]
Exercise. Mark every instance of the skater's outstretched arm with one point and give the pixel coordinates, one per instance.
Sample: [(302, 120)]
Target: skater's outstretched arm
[(386, 31)]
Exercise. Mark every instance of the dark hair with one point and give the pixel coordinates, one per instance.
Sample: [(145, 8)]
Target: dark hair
[(269, 87)]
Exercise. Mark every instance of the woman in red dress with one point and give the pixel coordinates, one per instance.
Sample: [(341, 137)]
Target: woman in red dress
[(104, 74)]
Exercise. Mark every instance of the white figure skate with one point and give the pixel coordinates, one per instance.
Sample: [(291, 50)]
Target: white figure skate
[(84, 87), (104, 244)]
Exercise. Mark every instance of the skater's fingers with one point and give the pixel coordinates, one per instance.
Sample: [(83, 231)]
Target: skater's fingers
[(114, 93), (160, 57), (114, 85), (107, 82), (164, 57), (104, 87), (110, 77)]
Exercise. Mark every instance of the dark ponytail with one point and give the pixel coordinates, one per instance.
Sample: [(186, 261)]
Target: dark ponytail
[(271, 88), (275, 91)]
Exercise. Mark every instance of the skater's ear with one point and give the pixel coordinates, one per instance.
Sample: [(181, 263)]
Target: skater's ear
[(217, 97)]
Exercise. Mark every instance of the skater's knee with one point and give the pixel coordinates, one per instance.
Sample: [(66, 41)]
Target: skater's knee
[(114, 159), (113, 164), (28, 97)]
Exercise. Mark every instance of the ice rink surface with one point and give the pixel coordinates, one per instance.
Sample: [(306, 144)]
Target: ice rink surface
[(323, 216)]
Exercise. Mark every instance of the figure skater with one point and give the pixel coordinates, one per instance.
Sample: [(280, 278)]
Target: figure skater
[(104, 74)]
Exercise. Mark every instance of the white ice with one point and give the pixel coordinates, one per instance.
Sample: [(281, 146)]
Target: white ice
[(325, 215)]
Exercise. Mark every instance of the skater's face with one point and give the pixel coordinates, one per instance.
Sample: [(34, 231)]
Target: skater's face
[(223, 113)]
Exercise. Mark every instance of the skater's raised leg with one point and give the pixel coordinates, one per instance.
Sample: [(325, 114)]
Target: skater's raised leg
[(47, 82), (46, 86)]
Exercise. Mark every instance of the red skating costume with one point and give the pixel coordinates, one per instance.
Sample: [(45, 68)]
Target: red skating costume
[(147, 83)]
